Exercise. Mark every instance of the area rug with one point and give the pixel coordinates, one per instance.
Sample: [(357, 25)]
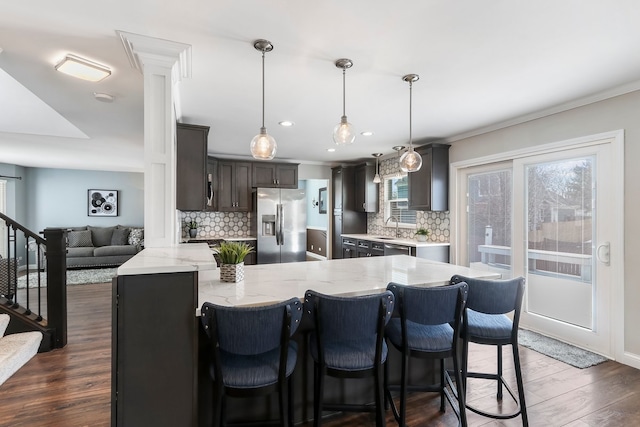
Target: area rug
[(74, 277), (559, 350)]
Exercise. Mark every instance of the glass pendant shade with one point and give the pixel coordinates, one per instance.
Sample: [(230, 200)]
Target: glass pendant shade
[(410, 161), (263, 146), (343, 133), (377, 179)]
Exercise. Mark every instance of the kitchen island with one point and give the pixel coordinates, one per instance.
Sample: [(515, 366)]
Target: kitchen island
[(270, 283), (160, 354)]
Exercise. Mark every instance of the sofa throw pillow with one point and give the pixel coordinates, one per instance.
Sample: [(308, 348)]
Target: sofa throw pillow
[(120, 236), (79, 239), (101, 236), (136, 237)]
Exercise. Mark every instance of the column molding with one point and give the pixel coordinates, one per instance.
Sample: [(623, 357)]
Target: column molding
[(163, 64)]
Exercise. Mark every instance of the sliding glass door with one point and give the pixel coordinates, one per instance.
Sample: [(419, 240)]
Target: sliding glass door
[(548, 217)]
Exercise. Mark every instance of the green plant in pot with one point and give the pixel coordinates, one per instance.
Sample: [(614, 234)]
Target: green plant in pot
[(193, 228), (422, 234), (232, 256)]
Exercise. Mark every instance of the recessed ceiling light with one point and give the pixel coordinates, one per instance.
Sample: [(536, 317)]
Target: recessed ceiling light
[(331, 150), (366, 133), (286, 123), (83, 68)]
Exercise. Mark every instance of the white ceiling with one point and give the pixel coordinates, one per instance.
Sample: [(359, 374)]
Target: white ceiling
[(482, 64)]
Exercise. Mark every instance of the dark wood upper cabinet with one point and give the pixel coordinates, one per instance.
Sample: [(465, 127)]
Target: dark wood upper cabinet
[(275, 175), (366, 191), (234, 186), (429, 187), (191, 167)]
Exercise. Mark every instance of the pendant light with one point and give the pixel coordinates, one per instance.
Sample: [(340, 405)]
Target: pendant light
[(398, 149), (376, 178), (410, 160), (263, 146), (343, 132)]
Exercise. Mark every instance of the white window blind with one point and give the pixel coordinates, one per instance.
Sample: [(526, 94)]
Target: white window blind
[(396, 200)]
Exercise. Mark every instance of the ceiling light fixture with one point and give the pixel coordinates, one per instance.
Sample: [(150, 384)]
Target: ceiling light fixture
[(343, 132), (286, 123), (331, 150), (83, 68), (376, 178), (103, 97), (398, 149), (263, 146), (410, 160), (366, 133)]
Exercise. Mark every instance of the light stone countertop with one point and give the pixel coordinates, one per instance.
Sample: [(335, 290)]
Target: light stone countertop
[(180, 258), (269, 283), (395, 241)]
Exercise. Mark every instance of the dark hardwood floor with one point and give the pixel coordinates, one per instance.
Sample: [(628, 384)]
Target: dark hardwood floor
[(70, 387)]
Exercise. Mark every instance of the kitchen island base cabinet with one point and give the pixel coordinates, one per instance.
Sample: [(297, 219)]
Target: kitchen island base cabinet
[(154, 350)]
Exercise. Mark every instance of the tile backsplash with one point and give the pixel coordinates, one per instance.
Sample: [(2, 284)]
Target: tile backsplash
[(216, 224), (437, 222)]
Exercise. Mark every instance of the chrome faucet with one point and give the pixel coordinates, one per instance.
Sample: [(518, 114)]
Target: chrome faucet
[(394, 219)]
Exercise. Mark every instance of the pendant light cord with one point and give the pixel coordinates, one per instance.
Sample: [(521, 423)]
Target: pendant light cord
[(263, 89), (344, 91), (410, 115)]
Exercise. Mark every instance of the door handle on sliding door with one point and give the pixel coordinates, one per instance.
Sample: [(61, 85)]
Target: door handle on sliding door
[(603, 253)]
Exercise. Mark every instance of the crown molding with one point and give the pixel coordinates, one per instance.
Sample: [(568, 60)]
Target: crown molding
[(142, 50), (581, 102)]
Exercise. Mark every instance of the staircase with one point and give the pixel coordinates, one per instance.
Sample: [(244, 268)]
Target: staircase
[(15, 349), (43, 308)]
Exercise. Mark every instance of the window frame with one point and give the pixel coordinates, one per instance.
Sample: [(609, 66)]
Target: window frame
[(387, 204)]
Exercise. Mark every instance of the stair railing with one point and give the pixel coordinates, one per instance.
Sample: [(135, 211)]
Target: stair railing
[(32, 304)]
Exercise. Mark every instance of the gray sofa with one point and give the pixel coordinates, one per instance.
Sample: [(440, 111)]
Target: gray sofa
[(102, 246)]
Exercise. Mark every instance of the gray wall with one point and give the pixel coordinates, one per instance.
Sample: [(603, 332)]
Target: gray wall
[(58, 197), (622, 112)]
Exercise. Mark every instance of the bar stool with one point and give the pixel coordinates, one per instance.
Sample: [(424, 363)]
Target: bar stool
[(348, 342), (485, 322), (428, 327), (251, 352)]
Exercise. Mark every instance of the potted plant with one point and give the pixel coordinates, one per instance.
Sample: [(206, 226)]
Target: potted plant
[(422, 234), (193, 228), (232, 256)]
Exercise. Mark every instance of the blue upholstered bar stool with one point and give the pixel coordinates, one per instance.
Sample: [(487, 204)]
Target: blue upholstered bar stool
[(427, 327), (251, 352), (348, 342), (486, 322)]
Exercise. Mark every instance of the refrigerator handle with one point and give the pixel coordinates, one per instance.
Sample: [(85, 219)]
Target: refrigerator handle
[(277, 225), (280, 224)]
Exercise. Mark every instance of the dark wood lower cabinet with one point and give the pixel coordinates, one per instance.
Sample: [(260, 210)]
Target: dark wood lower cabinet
[(154, 350)]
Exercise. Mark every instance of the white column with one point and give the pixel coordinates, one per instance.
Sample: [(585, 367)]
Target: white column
[(163, 64)]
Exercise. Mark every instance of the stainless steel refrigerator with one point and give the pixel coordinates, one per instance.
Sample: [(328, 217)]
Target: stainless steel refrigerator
[(281, 225)]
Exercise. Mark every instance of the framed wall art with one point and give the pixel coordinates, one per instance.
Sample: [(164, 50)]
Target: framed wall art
[(103, 203)]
